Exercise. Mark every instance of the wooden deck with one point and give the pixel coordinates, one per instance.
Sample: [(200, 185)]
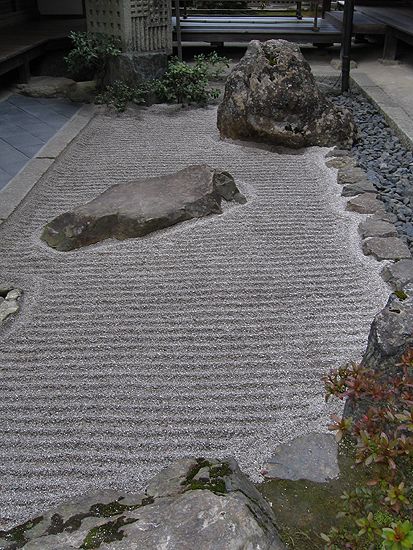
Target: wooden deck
[(362, 23), (20, 44)]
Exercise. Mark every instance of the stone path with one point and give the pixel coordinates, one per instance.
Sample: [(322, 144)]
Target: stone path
[(206, 339), (28, 123)]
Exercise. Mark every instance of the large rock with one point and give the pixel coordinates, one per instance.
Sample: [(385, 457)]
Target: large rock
[(142, 206), (59, 86), (135, 68), (271, 96), (193, 504)]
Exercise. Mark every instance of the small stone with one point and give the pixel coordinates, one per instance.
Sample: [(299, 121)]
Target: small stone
[(351, 176), (14, 294), (351, 190), (398, 274), (336, 152), (7, 308), (202, 475), (377, 228), (365, 204), (341, 162), (337, 64), (388, 248)]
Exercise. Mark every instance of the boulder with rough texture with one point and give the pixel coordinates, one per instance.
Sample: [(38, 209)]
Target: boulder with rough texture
[(271, 96), (399, 274), (194, 503), (137, 208), (135, 68), (391, 334)]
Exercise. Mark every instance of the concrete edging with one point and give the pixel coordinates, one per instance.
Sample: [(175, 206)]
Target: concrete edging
[(21, 184), (396, 117)]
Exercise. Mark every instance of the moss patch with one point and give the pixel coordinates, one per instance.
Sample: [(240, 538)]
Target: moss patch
[(215, 484), (304, 509), (108, 532), (401, 295), (17, 535)]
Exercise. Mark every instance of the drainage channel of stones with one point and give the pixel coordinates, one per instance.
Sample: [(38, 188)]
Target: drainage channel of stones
[(9, 301), (378, 232)]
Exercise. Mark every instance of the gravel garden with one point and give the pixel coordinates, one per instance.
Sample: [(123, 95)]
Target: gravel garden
[(193, 299)]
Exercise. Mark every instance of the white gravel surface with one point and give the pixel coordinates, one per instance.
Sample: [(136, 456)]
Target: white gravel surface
[(206, 339)]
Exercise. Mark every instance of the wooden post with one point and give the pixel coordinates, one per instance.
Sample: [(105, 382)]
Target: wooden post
[(178, 29), (315, 28), (390, 45), (299, 13), (346, 44)]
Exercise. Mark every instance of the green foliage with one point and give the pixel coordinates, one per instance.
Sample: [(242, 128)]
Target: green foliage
[(377, 515), (120, 94), (90, 52), (182, 83)]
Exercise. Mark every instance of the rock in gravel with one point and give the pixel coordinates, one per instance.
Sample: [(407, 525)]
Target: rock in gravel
[(391, 334), (139, 207), (9, 301), (271, 96), (352, 175), (365, 204), (389, 248), (59, 86), (376, 228), (180, 508), (399, 274), (354, 189), (312, 456)]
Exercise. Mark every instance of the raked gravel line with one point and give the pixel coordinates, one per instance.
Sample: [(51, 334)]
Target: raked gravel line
[(206, 339)]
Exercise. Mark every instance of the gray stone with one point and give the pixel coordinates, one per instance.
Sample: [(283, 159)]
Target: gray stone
[(135, 68), (389, 248), (351, 190), (195, 503), (399, 274), (14, 294), (336, 152), (312, 457), (137, 208), (46, 86), (58, 86), (352, 175), (7, 308), (391, 335), (271, 96), (341, 162), (365, 204), (376, 228)]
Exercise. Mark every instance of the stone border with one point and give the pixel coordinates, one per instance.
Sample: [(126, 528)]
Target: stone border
[(395, 116), (20, 185)]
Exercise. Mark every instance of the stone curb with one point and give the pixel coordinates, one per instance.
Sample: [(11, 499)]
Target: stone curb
[(395, 116), (16, 190)]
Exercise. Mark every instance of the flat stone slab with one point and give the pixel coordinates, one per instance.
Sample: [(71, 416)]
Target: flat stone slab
[(351, 175), (377, 228), (365, 204), (353, 189), (312, 457), (389, 248), (399, 274), (344, 161), (137, 208)]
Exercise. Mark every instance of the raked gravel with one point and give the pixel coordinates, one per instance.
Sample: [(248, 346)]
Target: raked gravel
[(206, 339)]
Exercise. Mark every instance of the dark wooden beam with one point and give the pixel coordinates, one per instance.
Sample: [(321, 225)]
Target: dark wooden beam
[(346, 44)]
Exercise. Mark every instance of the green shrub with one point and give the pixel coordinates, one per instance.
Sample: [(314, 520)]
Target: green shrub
[(182, 83), (379, 514), (89, 55)]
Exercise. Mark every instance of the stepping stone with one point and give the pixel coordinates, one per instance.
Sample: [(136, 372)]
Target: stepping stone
[(399, 274), (351, 175), (342, 162), (377, 228), (365, 204), (389, 248), (312, 457), (351, 190)]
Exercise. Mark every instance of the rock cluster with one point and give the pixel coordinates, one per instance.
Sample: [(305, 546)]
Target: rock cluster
[(9, 301), (386, 162), (271, 96), (194, 503), (59, 86), (137, 208)]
